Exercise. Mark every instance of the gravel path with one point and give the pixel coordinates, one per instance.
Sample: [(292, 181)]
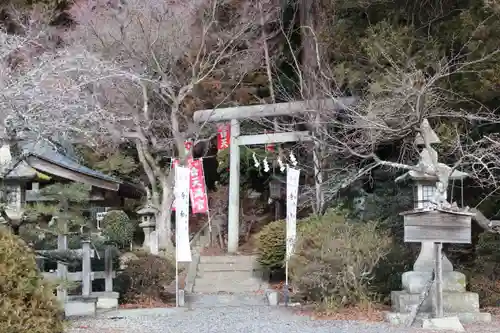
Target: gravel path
[(231, 319)]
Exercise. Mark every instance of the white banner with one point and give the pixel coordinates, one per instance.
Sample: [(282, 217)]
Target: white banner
[(181, 192), (292, 190)]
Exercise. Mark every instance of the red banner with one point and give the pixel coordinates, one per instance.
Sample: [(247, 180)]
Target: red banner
[(197, 188), (223, 136), (188, 145), (269, 146)]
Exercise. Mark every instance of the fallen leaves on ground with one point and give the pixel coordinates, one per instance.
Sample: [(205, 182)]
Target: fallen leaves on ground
[(280, 286), (369, 314), (147, 303), (212, 251)]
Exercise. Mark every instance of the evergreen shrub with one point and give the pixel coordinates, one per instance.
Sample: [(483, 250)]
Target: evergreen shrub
[(271, 245), (27, 301), (118, 228)]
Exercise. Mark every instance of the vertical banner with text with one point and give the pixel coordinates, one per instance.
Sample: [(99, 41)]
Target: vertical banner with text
[(175, 164), (197, 188), (223, 136), (292, 190), (181, 192)]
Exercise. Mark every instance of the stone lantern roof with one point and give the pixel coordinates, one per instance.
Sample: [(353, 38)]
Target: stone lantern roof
[(429, 133), (426, 159), (147, 210), (427, 156)]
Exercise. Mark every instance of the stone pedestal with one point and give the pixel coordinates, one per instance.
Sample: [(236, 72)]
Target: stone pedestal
[(147, 228), (426, 261), (456, 301), (414, 282)]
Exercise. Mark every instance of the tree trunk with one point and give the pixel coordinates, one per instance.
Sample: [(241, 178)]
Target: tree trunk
[(164, 218), (309, 89)]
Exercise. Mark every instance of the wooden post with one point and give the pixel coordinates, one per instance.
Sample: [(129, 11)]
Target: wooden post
[(108, 269), (62, 269), (439, 280), (233, 232), (86, 269)]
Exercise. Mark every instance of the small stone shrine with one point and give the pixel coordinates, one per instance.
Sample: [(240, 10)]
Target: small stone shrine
[(434, 220)]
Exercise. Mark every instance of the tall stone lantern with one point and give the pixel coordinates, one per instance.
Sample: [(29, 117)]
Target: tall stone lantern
[(456, 299), (148, 223)]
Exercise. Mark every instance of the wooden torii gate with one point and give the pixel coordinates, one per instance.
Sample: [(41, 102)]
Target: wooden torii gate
[(235, 114)]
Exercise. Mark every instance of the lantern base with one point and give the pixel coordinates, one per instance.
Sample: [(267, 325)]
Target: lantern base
[(453, 302), (414, 282), (400, 318)]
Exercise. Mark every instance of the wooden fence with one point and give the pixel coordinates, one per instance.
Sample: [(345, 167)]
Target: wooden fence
[(85, 276)]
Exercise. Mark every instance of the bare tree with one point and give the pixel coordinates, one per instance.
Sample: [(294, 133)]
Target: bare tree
[(174, 56), (398, 94)]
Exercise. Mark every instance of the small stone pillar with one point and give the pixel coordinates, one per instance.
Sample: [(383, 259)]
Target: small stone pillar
[(86, 269), (148, 224)]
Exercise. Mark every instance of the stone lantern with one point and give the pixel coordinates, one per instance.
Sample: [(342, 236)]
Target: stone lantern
[(276, 187), (456, 299), (148, 223)]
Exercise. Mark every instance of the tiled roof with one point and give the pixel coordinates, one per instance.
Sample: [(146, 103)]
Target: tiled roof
[(49, 152)]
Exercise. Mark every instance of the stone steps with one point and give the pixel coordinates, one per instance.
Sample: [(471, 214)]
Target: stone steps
[(227, 259), (227, 300), (227, 274), (231, 267)]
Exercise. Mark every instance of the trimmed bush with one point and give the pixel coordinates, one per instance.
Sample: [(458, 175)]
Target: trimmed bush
[(118, 228), (271, 240), (146, 278), (334, 260), (27, 302), (271, 245)]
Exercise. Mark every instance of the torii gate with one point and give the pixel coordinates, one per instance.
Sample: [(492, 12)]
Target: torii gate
[(235, 114)]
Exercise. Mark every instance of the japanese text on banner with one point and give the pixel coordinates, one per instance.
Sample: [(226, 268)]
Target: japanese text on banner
[(223, 136), (197, 188), (175, 163), (292, 190), (181, 191)]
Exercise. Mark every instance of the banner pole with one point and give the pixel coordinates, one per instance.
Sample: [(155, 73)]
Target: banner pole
[(176, 246), (176, 279), (286, 283), (176, 256), (206, 199)]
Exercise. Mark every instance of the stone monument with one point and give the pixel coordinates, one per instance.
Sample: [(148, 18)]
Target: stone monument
[(429, 189)]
